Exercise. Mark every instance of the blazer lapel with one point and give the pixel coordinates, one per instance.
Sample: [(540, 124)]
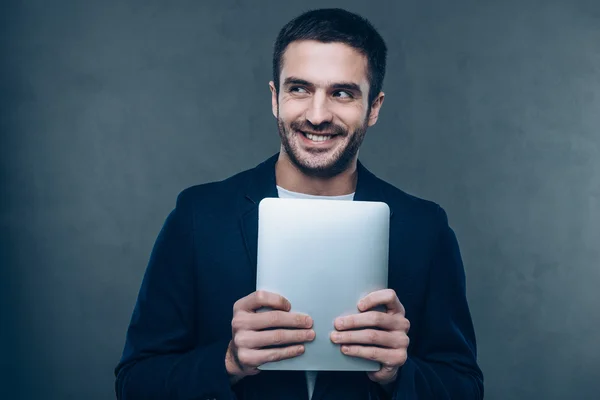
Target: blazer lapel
[(260, 185), (369, 188)]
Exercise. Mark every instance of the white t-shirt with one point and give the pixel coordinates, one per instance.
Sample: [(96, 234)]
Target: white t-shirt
[(311, 376)]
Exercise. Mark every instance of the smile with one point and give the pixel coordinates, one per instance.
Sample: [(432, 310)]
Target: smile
[(317, 138)]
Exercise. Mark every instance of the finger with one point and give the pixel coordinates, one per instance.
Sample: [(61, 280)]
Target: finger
[(250, 321), (262, 298), (385, 374), (252, 358), (278, 337), (385, 297), (386, 357), (277, 319), (373, 337), (372, 319)]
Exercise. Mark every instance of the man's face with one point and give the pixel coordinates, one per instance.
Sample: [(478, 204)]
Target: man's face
[(322, 107)]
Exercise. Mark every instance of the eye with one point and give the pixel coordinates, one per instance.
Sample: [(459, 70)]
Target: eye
[(343, 94), (297, 89)]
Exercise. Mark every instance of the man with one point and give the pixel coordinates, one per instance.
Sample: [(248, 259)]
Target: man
[(195, 334)]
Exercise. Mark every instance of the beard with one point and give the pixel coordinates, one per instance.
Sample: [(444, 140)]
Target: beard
[(321, 163)]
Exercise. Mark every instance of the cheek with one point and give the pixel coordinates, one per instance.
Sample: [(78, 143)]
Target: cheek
[(291, 106), (290, 111), (352, 118)]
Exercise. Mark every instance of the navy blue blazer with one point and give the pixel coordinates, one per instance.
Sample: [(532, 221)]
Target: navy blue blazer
[(204, 260)]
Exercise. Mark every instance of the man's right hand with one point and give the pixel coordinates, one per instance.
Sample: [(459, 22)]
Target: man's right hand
[(253, 331)]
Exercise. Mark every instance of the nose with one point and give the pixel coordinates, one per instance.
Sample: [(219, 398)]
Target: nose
[(318, 111)]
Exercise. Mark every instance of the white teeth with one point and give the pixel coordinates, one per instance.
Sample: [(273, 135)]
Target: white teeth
[(317, 138)]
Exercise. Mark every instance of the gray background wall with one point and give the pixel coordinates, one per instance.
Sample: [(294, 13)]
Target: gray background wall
[(109, 109)]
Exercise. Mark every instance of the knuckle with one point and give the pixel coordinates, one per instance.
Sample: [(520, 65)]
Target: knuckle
[(402, 358), (274, 356), (373, 336), (277, 337), (378, 318), (261, 296), (274, 318), (236, 323), (373, 353), (238, 341), (406, 325), (243, 356), (398, 342)]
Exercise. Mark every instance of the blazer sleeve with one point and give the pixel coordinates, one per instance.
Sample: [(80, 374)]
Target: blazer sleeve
[(443, 364), (161, 358)]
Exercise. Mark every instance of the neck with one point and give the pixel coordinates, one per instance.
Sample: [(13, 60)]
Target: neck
[(289, 177)]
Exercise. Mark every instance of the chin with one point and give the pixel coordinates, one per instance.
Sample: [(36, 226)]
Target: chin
[(315, 160), (319, 167)]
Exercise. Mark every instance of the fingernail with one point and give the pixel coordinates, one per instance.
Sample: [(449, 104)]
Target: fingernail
[(308, 321), (311, 335), (300, 350), (345, 349), (336, 336), (361, 305), (340, 323)]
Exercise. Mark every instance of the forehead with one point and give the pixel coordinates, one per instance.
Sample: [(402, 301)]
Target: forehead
[(324, 63)]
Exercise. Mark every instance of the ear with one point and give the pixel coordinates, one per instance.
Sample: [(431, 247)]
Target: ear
[(274, 104), (375, 107)]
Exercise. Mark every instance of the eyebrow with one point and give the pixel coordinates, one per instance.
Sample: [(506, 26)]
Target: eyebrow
[(350, 86)]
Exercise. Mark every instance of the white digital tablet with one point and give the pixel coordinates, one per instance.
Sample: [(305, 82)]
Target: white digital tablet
[(323, 256)]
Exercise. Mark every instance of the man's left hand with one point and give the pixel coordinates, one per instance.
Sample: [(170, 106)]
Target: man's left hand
[(375, 335)]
